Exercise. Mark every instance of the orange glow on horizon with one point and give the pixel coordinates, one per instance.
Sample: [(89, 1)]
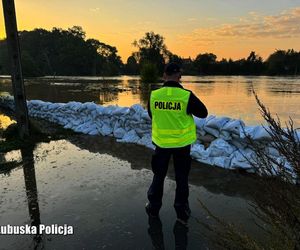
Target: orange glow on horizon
[(187, 37)]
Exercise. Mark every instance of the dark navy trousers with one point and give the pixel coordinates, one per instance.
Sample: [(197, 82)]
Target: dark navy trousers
[(182, 166)]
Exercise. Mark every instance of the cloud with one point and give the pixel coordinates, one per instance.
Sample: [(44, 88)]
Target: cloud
[(192, 19), (95, 9), (254, 26)]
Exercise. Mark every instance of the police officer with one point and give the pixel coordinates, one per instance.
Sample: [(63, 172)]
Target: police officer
[(173, 131)]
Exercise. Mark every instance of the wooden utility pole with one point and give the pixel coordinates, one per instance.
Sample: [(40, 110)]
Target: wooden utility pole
[(12, 39)]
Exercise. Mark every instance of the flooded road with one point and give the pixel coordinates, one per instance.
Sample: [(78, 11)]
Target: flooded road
[(99, 187)]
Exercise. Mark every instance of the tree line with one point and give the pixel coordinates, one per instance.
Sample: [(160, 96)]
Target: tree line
[(68, 52)]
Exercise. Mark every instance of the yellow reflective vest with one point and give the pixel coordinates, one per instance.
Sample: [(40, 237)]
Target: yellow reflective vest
[(172, 127)]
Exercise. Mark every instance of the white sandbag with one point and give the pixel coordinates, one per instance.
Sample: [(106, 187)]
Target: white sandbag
[(255, 132), (120, 111), (105, 130), (146, 140), (87, 129), (217, 122), (94, 132), (108, 110), (134, 125), (210, 117), (130, 137), (212, 131), (68, 126), (91, 106), (37, 102), (225, 135), (208, 161), (234, 126), (137, 108), (272, 151), (198, 151), (119, 133), (206, 138), (220, 147), (238, 143), (244, 155), (145, 116), (235, 164), (199, 122), (222, 161), (297, 135)]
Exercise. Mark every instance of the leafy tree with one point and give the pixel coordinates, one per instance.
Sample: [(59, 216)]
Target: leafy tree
[(152, 49), (132, 67), (205, 63), (149, 73), (175, 58), (283, 62), (63, 52), (254, 64)]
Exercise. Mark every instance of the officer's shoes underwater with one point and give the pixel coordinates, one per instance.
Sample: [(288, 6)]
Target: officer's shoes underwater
[(150, 212)]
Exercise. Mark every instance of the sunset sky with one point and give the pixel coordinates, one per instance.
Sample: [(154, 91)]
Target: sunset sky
[(228, 28)]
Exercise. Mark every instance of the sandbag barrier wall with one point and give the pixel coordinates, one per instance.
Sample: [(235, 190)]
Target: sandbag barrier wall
[(228, 148)]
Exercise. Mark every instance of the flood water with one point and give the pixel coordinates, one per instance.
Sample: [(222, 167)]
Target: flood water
[(223, 95), (99, 186)]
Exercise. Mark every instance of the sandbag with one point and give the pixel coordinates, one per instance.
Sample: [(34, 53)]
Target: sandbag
[(133, 125), (255, 132), (220, 147), (212, 131), (222, 161), (130, 137), (217, 122), (234, 126)]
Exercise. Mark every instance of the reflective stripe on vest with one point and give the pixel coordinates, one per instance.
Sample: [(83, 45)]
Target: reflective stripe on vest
[(171, 126)]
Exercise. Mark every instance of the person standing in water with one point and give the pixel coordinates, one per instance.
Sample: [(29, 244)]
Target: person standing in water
[(173, 131)]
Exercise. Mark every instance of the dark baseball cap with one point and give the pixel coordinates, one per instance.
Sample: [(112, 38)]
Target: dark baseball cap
[(172, 68)]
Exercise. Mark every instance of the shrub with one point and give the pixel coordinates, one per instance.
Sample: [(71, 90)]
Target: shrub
[(149, 73)]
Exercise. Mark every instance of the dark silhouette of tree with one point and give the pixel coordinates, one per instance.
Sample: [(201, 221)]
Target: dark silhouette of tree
[(132, 66), (254, 64), (63, 52), (152, 50), (283, 62), (205, 63), (68, 52), (175, 58)]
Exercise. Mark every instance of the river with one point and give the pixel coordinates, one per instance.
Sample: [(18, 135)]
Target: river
[(223, 95)]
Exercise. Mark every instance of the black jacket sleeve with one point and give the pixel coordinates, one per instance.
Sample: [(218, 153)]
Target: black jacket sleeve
[(196, 107), (148, 109)]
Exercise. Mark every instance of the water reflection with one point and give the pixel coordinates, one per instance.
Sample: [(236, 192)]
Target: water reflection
[(224, 95), (155, 232), (98, 176), (5, 121), (32, 193), (181, 236), (213, 179), (107, 96)]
